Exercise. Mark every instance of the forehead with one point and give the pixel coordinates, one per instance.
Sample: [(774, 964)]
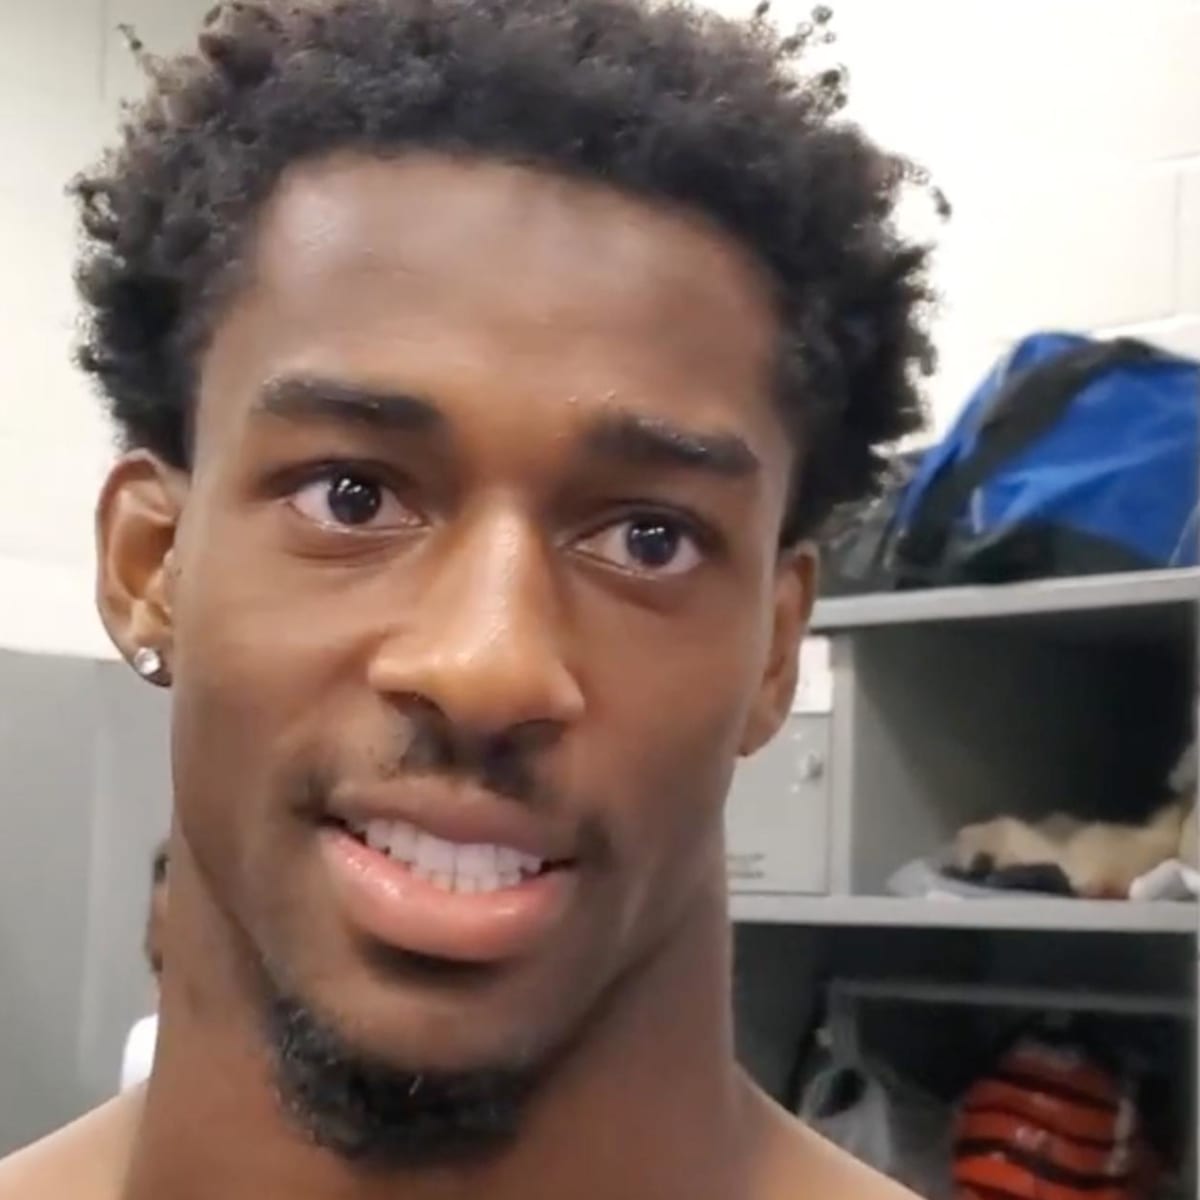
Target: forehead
[(455, 276)]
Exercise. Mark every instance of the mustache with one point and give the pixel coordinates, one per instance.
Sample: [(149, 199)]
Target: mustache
[(502, 764), (505, 766)]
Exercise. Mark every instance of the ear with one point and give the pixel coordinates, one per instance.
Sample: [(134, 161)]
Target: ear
[(136, 519), (795, 592)]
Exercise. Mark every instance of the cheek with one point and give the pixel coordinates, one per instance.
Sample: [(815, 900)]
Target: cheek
[(686, 681), (665, 790), (253, 683), (675, 718), (253, 644)]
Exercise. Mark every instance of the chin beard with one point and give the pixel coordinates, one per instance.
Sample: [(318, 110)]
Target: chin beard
[(382, 1116)]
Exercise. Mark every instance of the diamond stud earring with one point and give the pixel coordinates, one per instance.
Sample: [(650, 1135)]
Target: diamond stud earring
[(148, 663)]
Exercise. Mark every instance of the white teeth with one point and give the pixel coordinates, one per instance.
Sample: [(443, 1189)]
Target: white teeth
[(434, 855), (466, 869), (476, 862), (402, 844), (508, 861), (379, 834)]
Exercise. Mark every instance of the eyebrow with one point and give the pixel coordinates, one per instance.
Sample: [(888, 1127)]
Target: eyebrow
[(647, 441), (309, 397), (630, 438)]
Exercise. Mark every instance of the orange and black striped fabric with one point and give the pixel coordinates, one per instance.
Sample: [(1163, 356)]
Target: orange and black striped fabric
[(1048, 1124)]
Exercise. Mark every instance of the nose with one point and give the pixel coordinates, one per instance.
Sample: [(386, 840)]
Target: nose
[(485, 647)]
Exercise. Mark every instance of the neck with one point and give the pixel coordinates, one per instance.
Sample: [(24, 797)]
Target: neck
[(650, 1104)]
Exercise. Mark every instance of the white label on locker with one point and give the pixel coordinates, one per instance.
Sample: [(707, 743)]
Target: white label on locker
[(815, 691)]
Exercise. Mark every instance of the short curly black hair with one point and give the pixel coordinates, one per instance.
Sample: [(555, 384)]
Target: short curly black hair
[(662, 100)]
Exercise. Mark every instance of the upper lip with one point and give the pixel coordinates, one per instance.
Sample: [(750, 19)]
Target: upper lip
[(455, 813)]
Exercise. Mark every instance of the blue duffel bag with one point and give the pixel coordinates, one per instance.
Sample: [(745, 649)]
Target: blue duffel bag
[(1073, 457)]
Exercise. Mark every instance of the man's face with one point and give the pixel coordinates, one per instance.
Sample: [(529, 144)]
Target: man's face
[(476, 597)]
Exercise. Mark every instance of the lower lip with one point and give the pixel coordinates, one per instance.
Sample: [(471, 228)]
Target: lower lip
[(385, 900)]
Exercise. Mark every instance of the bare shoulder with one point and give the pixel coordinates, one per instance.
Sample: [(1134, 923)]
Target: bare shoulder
[(86, 1160), (820, 1169), (804, 1166)]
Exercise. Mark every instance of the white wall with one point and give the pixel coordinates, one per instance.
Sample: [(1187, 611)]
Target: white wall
[(1066, 132), (63, 71)]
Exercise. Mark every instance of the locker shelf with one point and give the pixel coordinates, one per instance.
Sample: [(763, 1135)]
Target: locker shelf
[(1024, 912), (1107, 595)]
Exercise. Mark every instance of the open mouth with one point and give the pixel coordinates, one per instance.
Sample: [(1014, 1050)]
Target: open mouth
[(477, 869), (451, 895)]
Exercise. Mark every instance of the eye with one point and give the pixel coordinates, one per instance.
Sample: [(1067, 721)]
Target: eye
[(347, 499), (649, 544)]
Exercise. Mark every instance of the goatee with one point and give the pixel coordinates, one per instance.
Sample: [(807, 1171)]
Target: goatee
[(379, 1115)]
